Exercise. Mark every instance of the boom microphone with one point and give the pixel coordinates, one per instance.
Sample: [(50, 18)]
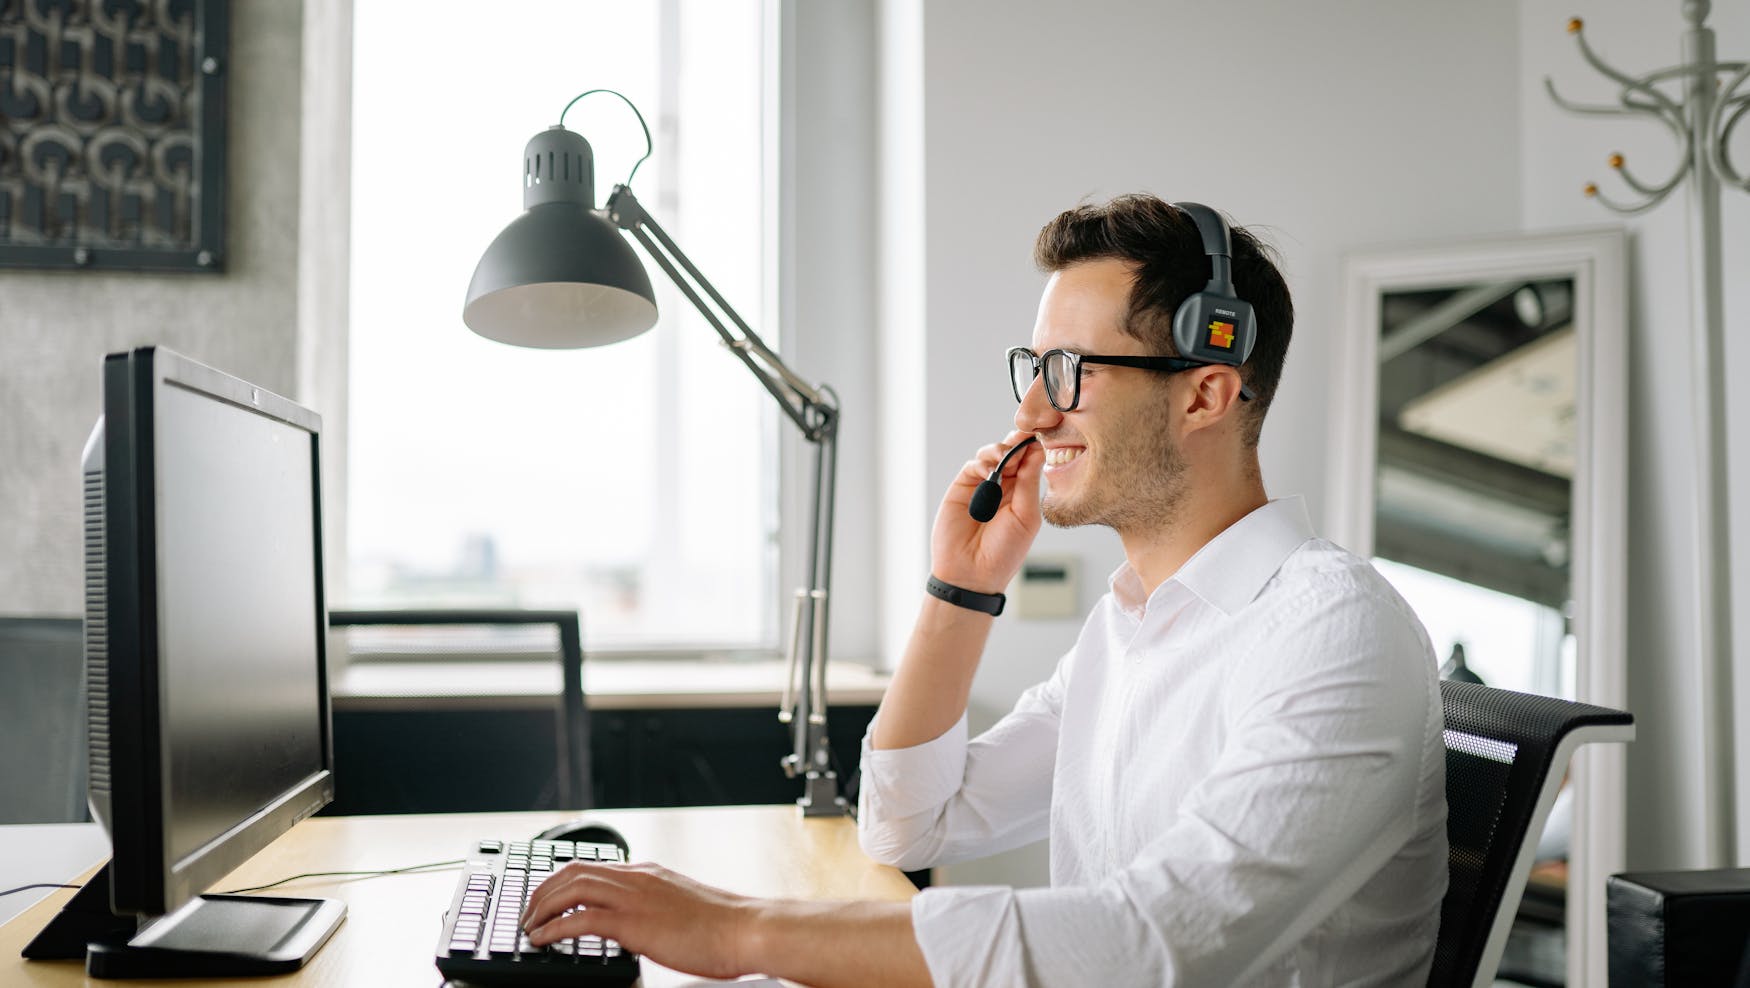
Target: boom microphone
[(983, 506)]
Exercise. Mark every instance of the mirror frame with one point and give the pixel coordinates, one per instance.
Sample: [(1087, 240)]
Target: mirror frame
[(1596, 260)]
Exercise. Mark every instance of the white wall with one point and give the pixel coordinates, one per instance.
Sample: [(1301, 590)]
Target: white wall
[(55, 326), (1330, 126), (826, 297), (1669, 799)]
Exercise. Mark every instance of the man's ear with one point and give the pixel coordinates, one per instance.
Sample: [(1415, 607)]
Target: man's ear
[(1214, 395)]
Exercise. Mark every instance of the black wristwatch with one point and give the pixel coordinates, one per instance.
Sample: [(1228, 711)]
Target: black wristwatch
[(989, 603)]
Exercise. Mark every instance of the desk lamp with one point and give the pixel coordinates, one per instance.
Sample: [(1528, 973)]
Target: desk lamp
[(562, 276)]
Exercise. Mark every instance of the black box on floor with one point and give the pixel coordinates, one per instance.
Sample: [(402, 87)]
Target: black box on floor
[(1679, 929)]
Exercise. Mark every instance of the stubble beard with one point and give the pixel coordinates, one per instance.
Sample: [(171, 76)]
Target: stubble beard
[(1138, 483)]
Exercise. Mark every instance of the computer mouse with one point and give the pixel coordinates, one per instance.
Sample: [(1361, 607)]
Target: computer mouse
[(588, 832)]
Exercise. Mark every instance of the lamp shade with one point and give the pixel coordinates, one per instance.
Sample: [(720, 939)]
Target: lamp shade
[(559, 276)]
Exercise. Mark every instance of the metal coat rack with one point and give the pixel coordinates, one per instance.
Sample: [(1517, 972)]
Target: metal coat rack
[(1701, 117)]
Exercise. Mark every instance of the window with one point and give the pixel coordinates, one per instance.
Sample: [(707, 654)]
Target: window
[(635, 482)]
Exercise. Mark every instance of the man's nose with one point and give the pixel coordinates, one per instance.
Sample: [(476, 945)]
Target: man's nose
[(1035, 411)]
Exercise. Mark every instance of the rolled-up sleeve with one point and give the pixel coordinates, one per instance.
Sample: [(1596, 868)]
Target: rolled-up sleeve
[(951, 799)]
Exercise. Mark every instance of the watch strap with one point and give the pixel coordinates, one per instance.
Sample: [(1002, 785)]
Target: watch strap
[(989, 603)]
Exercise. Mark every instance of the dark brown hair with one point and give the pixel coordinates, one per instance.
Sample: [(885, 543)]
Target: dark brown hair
[(1161, 243)]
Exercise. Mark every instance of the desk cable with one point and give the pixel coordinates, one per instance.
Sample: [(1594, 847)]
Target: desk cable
[(410, 869), (39, 885)]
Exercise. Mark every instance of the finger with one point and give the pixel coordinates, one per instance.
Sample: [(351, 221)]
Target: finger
[(555, 895), (1000, 449), (575, 885), (1013, 467), (973, 472), (989, 456), (601, 922), (545, 892), (1022, 496)]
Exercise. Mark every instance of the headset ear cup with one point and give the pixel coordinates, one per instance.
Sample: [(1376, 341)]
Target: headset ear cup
[(1216, 329), (1247, 333), (1185, 323)]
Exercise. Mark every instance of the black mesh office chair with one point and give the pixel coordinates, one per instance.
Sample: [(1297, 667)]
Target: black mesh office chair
[(1506, 754), (42, 720), (573, 757)]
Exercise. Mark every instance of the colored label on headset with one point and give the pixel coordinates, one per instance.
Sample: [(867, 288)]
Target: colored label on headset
[(1221, 334)]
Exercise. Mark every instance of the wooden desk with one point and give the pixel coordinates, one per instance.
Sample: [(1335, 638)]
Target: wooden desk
[(391, 929)]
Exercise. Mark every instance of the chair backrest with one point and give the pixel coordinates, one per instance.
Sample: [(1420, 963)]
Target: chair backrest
[(42, 720), (1506, 755), (574, 789)]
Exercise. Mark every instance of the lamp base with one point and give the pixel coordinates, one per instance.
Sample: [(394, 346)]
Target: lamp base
[(820, 795)]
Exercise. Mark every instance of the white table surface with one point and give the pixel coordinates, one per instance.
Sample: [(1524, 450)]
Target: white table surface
[(45, 852)]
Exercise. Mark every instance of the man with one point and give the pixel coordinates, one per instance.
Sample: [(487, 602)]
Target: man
[(1239, 763)]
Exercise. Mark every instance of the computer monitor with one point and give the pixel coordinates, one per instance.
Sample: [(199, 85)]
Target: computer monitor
[(206, 670)]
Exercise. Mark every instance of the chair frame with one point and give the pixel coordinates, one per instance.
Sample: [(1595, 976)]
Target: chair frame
[(575, 792), (1507, 865)]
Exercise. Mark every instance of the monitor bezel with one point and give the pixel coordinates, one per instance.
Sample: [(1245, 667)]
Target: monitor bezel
[(146, 880)]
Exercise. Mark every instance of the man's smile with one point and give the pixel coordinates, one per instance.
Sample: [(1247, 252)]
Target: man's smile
[(1058, 456)]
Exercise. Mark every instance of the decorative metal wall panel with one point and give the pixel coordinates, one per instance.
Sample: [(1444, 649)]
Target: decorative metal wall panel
[(112, 134)]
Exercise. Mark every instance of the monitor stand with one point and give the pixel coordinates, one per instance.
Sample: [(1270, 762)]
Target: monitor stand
[(212, 936), (84, 919)]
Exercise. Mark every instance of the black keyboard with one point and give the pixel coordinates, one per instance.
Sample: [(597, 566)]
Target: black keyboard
[(483, 942)]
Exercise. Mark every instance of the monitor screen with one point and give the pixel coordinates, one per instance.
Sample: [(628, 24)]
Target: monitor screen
[(237, 613)]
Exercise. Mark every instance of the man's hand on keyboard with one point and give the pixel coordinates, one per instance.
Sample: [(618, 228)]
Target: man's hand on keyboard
[(672, 919), (691, 927)]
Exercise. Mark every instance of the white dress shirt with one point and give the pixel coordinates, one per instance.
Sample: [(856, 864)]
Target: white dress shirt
[(1242, 778)]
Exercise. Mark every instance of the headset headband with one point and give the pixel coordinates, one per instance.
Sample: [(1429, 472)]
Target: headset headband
[(1215, 325), (1217, 243)]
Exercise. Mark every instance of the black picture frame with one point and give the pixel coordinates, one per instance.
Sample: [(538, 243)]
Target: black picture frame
[(113, 135)]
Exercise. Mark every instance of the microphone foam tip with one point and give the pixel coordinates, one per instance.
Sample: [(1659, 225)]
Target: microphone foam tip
[(983, 506)]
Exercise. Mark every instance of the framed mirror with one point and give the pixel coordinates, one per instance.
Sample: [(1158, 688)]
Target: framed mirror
[(1481, 462)]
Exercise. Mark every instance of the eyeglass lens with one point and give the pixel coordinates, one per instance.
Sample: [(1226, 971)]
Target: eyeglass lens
[(1058, 367), (1060, 370), (1022, 368)]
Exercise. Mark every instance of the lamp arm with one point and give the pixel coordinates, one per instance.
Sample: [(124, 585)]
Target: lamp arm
[(815, 411), (802, 402)]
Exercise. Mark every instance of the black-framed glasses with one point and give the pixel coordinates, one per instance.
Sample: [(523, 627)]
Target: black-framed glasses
[(1063, 372)]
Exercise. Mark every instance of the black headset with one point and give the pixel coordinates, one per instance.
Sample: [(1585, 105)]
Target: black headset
[(1214, 325)]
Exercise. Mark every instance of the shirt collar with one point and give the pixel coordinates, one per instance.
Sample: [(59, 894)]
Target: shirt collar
[(1231, 569)]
